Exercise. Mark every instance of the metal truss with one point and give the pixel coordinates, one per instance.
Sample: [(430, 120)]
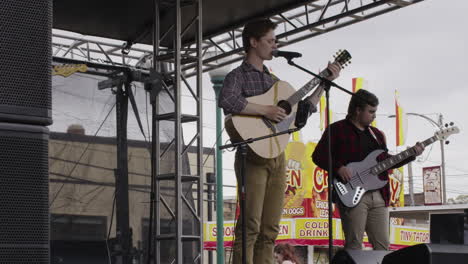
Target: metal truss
[(177, 205), (301, 23), (66, 45)]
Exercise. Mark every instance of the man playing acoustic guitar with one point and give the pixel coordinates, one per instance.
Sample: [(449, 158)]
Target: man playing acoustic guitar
[(352, 140), (266, 177)]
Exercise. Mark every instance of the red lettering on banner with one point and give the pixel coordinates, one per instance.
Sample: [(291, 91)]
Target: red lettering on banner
[(293, 178), (288, 177), (296, 178), (315, 225), (228, 231), (320, 179), (284, 230), (313, 233), (409, 236), (295, 211), (394, 185), (405, 235), (321, 204), (323, 213)]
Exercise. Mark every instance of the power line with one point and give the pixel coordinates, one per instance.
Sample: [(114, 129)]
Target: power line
[(79, 159)]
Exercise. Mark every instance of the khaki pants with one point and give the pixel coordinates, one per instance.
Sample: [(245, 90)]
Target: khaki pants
[(265, 186), (370, 215)]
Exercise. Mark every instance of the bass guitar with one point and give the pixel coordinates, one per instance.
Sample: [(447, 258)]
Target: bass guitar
[(365, 174)]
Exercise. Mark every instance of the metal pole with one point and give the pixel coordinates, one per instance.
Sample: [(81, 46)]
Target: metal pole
[(442, 153), (178, 131), (440, 125), (330, 179), (217, 85), (410, 183), (210, 179), (123, 232)]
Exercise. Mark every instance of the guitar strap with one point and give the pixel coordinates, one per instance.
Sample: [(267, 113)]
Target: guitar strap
[(376, 139), (274, 77), (275, 101)]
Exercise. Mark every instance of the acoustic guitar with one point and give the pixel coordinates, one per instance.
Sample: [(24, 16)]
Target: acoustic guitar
[(243, 127)]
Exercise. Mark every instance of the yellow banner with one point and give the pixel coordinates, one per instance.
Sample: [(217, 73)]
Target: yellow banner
[(210, 231), (286, 229), (315, 230), (400, 122), (408, 236), (323, 113), (68, 69), (397, 191)]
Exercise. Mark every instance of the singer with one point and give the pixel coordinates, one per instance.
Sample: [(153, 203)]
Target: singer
[(266, 178)]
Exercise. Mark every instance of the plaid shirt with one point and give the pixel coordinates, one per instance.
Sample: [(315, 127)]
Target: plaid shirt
[(242, 82), (346, 148)]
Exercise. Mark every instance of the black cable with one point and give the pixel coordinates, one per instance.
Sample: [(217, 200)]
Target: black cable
[(79, 159), (147, 117), (213, 147), (110, 226), (131, 98)]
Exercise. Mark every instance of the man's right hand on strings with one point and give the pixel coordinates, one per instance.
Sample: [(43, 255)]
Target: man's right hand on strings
[(274, 113), (345, 174)]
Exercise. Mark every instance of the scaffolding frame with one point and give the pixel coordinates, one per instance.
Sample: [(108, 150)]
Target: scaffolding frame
[(173, 57), (307, 21)]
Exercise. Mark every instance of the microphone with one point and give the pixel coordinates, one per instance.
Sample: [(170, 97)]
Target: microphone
[(286, 54)]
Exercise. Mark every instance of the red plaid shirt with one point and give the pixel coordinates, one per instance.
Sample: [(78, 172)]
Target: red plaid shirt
[(347, 148)]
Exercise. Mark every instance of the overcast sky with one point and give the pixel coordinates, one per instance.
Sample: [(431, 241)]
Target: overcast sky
[(421, 50)]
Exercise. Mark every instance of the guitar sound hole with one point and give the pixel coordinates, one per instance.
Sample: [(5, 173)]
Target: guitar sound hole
[(285, 105)]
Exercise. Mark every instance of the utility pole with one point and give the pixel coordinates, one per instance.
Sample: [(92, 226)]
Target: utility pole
[(440, 125), (442, 153), (410, 183)]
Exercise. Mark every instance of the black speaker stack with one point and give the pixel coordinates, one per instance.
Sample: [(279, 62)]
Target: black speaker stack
[(359, 256), (429, 254), (421, 254), (25, 111)]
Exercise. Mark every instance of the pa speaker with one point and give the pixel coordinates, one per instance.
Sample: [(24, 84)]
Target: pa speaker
[(25, 61), (429, 254), (359, 256), (24, 188), (71, 252), (447, 228)]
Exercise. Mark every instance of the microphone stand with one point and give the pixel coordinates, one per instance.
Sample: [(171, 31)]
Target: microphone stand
[(242, 146), (330, 158)]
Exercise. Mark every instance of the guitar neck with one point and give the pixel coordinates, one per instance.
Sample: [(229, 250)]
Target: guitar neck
[(392, 161), (299, 94)]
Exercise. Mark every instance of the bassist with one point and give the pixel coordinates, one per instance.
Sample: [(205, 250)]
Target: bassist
[(352, 140)]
